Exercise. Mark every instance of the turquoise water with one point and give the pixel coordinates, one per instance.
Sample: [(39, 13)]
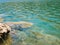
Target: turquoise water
[(44, 16)]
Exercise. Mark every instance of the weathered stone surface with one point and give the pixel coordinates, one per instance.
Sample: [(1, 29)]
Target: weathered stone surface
[(4, 30)]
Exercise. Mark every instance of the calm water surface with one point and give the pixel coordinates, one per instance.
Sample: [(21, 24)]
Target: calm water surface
[(44, 16)]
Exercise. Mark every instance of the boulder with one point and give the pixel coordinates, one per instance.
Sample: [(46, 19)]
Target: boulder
[(4, 30)]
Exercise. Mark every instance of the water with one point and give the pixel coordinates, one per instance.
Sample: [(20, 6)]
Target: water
[(45, 17)]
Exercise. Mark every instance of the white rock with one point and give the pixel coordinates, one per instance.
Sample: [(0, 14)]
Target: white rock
[(4, 28)]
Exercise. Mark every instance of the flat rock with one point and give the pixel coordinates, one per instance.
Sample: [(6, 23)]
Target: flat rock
[(22, 24), (19, 25)]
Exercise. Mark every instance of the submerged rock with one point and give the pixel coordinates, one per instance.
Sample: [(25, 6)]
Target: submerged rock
[(19, 25), (5, 28), (30, 38)]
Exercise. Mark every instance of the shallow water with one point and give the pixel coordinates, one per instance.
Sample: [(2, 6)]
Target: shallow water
[(45, 17)]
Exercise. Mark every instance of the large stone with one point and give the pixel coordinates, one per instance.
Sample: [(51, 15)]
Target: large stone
[(4, 30)]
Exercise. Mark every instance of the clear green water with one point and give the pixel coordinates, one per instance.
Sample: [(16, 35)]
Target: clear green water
[(45, 17)]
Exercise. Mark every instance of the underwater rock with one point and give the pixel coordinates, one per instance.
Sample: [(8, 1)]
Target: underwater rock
[(7, 27), (19, 25), (4, 30)]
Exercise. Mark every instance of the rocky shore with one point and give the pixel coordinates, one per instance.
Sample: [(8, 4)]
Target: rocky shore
[(5, 28), (23, 38)]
